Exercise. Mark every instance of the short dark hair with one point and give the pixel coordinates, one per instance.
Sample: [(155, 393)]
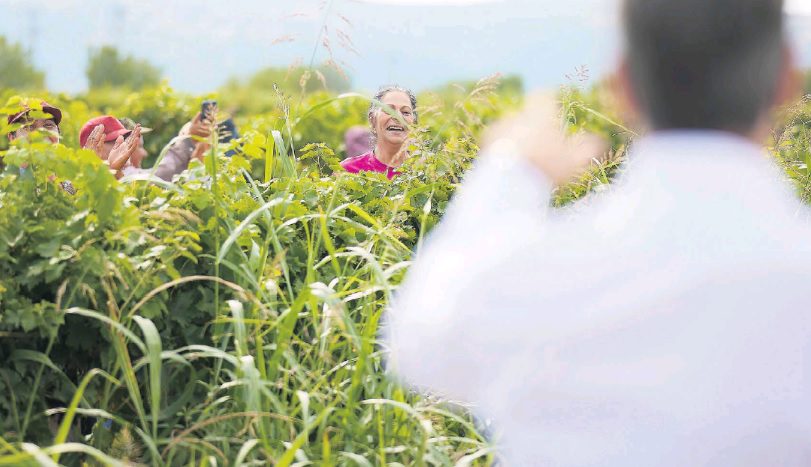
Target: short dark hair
[(704, 63)]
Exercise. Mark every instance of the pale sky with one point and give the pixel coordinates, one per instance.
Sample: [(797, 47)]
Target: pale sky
[(798, 7), (199, 44)]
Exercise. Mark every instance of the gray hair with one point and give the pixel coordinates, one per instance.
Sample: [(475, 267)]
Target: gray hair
[(704, 64), (374, 106)]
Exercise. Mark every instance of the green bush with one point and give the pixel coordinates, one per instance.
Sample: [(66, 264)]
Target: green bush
[(260, 92), (16, 69), (107, 68)]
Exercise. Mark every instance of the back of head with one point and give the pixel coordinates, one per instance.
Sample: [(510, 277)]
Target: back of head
[(711, 64)]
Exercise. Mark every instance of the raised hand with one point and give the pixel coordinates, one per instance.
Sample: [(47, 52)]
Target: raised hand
[(124, 149), (95, 142), (536, 134), (200, 128)]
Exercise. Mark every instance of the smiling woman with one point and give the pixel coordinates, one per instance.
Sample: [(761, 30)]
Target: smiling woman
[(390, 129)]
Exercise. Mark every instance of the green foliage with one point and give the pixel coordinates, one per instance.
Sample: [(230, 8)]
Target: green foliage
[(259, 93), (511, 85), (473, 106), (237, 316), (16, 69), (790, 143), (590, 111), (327, 125), (108, 68)]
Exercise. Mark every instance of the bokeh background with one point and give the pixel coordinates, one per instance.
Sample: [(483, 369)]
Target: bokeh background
[(200, 45)]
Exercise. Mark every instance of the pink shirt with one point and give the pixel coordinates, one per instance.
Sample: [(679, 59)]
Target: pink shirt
[(368, 163)]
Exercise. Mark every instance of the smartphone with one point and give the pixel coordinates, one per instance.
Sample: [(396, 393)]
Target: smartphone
[(208, 110)]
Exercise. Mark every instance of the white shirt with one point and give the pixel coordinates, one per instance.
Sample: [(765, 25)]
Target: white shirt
[(663, 322)]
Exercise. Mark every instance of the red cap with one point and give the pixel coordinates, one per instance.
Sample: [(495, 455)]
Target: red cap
[(55, 113), (112, 128)]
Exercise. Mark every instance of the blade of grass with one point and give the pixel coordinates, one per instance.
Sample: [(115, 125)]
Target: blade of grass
[(154, 349), (67, 421)]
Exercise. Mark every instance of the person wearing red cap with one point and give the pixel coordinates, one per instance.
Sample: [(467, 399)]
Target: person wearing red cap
[(49, 125), (102, 135), (112, 142)]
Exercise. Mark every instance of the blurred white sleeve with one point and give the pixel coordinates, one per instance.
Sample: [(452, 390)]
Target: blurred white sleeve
[(502, 199)]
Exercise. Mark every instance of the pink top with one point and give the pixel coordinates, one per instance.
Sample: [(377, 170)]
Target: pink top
[(368, 163)]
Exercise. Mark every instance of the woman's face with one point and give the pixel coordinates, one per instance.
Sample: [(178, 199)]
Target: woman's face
[(388, 129)]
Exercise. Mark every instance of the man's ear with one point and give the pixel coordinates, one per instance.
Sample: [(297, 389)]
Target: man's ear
[(790, 80)]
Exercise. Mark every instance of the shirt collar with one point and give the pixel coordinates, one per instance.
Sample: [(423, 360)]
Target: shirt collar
[(699, 143), (697, 157), (698, 166)]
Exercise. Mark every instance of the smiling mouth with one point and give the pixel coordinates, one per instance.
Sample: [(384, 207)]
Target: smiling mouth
[(395, 128)]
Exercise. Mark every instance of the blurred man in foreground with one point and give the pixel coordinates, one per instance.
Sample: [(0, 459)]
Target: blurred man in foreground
[(665, 323)]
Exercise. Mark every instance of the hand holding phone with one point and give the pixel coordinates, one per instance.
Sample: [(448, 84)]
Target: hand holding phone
[(208, 111), (200, 127)]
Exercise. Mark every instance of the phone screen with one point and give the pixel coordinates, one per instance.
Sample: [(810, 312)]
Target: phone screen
[(208, 110)]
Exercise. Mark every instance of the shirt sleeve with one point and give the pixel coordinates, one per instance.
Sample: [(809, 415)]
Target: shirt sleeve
[(176, 159), (501, 197)]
